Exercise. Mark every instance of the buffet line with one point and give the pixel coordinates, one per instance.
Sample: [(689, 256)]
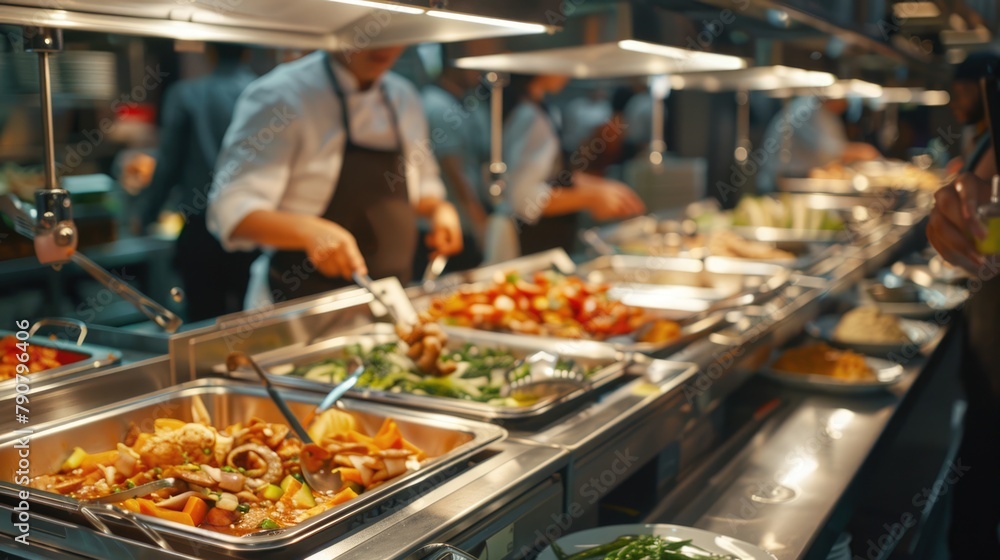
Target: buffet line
[(504, 411)]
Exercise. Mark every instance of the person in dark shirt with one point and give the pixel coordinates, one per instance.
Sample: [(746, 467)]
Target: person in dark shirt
[(195, 116), (953, 229)]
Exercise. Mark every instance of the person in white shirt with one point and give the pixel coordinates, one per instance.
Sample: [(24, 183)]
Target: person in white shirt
[(546, 190), (327, 166), (808, 133)]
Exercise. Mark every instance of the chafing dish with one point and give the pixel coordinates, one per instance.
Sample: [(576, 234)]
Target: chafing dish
[(79, 357), (448, 441), (609, 361)]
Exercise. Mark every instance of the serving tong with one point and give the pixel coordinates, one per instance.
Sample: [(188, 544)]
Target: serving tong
[(544, 380), (325, 479)]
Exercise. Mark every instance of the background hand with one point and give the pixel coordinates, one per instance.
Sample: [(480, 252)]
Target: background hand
[(954, 224)]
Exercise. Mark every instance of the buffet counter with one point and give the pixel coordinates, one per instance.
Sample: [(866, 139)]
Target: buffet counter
[(683, 427)]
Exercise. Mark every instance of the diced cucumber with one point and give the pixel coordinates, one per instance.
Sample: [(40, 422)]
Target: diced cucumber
[(273, 493), (304, 497), (286, 481)]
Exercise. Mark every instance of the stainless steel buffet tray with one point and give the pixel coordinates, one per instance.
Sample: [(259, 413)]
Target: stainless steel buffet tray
[(679, 286), (611, 364), (642, 237), (557, 259), (446, 440), (85, 357)]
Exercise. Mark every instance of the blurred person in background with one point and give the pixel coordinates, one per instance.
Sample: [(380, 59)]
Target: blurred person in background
[(326, 166), (808, 133), (544, 191), (195, 116), (459, 126), (967, 106), (607, 143), (953, 229)]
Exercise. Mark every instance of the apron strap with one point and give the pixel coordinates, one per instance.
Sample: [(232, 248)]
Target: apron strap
[(339, 92)]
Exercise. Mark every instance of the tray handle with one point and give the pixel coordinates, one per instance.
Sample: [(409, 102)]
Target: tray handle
[(93, 513), (61, 322)]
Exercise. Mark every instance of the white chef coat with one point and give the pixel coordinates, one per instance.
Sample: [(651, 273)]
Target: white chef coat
[(531, 152), (285, 146)]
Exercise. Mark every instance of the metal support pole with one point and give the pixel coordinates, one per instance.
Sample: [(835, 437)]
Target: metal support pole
[(55, 232)]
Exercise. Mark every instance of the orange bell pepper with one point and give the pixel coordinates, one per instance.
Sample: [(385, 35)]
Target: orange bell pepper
[(147, 507), (351, 475), (131, 504), (104, 458)]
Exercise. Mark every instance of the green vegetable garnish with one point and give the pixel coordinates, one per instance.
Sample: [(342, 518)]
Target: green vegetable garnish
[(268, 524), (243, 507)]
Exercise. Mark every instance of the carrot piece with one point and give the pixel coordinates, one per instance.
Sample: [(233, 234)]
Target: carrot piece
[(147, 507), (389, 436), (197, 509), (131, 504), (345, 495), (104, 458), (351, 475)]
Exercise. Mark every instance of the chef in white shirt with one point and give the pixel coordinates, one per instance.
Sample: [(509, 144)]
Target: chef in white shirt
[(326, 166), (546, 189)]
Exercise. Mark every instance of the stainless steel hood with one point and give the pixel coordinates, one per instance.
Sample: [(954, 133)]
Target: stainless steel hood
[(759, 78), (307, 24), (610, 40)]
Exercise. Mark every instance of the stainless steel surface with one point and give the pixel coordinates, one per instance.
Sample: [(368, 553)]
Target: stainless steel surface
[(447, 441), (809, 460), (48, 137), (68, 396), (625, 58), (611, 364), (94, 513)]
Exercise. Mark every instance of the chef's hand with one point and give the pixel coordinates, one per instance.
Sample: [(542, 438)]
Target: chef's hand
[(954, 224), (445, 237), (609, 200), (334, 250)]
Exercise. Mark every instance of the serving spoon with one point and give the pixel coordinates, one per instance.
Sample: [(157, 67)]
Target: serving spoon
[(323, 479)]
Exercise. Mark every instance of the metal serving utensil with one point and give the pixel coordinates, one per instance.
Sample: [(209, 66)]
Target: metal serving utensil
[(136, 491), (24, 224), (322, 480), (367, 283), (544, 380)]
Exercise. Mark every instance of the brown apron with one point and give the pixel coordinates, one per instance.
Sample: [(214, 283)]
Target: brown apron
[(376, 211), (551, 232)]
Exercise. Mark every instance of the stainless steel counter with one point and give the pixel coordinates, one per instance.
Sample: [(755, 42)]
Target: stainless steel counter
[(549, 480)]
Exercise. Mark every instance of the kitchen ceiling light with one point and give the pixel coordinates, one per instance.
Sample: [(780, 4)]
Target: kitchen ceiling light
[(383, 6), (698, 60), (496, 22)]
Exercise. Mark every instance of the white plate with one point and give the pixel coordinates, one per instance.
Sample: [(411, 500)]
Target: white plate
[(712, 542), (886, 374), (919, 332)]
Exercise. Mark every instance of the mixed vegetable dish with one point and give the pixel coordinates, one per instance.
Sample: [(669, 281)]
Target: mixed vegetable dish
[(422, 363), (240, 479)]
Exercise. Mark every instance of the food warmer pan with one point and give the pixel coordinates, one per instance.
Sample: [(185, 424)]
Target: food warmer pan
[(76, 358), (610, 364), (447, 441)]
